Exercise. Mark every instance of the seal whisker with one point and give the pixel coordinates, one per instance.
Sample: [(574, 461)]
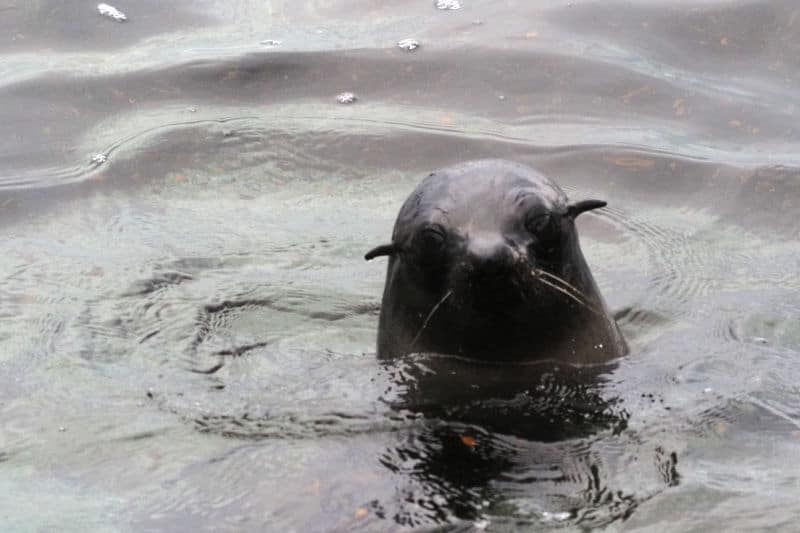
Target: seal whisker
[(428, 318), (575, 291), (568, 294)]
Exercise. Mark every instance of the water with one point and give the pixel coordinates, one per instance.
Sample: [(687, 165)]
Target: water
[(188, 326)]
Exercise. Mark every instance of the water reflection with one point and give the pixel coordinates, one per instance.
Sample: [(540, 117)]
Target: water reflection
[(509, 444)]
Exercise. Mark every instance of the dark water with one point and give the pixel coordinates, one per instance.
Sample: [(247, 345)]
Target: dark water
[(187, 332)]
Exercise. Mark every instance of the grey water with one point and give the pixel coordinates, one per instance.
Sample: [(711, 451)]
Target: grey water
[(187, 324)]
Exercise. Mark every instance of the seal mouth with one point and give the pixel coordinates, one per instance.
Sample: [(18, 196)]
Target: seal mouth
[(489, 298), (496, 295)]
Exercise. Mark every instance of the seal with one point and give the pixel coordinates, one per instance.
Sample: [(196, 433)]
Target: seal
[(485, 264)]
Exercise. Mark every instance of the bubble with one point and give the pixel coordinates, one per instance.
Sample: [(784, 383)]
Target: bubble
[(555, 517), (448, 4), (111, 12), (346, 98), (408, 44)]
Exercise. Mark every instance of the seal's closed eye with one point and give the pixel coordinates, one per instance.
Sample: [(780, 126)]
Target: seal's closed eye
[(537, 223), (430, 239), (384, 249)]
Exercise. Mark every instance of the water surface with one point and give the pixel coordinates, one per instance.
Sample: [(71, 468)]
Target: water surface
[(188, 325)]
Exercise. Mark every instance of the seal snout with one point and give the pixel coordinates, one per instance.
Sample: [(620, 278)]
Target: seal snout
[(490, 254), (491, 268)]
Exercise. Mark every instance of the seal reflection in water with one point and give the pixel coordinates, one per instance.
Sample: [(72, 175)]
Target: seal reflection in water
[(485, 264)]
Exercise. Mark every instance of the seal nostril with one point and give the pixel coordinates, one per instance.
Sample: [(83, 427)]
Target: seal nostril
[(491, 261)]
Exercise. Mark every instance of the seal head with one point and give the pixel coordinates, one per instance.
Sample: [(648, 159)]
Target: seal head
[(485, 263)]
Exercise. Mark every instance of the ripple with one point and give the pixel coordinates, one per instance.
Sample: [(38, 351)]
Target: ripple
[(159, 281), (682, 268), (300, 425), (231, 328)]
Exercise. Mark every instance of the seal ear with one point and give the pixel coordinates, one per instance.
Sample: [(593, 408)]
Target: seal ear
[(577, 208), (384, 249)]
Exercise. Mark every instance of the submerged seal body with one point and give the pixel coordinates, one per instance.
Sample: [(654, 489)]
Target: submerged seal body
[(485, 263)]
